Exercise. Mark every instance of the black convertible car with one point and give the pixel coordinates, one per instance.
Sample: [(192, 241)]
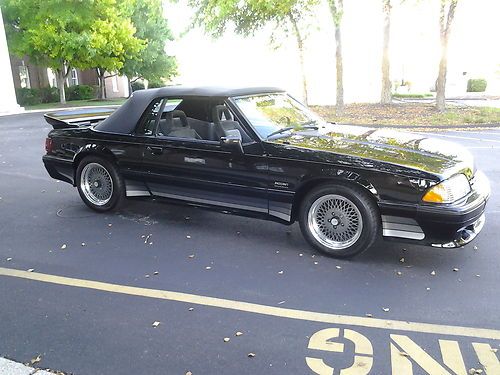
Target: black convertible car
[(259, 152)]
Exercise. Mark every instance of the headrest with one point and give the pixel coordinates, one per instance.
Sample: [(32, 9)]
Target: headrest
[(219, 110), (177, 114)]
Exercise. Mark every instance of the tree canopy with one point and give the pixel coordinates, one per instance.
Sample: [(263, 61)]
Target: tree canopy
[(152, 63), (62, 34)]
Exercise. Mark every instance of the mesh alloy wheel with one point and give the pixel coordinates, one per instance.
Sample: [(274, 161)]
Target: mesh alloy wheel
[(96, 184), (335, 221)]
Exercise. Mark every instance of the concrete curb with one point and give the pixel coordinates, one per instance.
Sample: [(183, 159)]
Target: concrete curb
[(8, 367), (46, 110), (444, 127)]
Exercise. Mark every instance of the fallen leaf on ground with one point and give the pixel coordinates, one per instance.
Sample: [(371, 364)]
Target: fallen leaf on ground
[(251, 355), (156, 273), (402, 260), (281, 302), (455, 269), (208, 268), (191, 256), (63, 246), (386, 309), (188, 237), (189, 373), (301, 255), (280, 272), (238, 333), (191, 309), (31, 270), (37, 359), (399, 273), (156, 324), (316, 262), (338, 267), (369, 315), (433, 273), (226, 339), (9, 259), (83, 243)]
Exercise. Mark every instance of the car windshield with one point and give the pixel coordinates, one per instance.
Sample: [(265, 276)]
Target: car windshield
[(277, 115)]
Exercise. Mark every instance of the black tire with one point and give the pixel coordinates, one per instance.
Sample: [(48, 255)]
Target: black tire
[(118, 186), (366, 208)]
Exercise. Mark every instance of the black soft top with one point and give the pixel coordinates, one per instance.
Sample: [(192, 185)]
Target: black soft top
[(125, 118)]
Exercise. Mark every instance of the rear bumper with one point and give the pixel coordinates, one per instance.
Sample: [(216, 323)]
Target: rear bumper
[(442, 226), (60, 169)]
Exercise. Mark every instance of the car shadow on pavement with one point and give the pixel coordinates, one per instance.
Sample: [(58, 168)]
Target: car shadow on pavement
[(268, 237)]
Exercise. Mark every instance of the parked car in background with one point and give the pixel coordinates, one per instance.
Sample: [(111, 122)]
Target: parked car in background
[(259, 152)]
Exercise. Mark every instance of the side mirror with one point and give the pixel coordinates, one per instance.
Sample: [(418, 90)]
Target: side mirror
[(232, 141)]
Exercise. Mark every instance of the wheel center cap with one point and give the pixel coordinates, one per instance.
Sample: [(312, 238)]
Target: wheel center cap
[(334, 221), (96, 184)]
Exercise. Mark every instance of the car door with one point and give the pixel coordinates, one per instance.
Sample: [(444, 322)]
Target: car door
[(202, 172)]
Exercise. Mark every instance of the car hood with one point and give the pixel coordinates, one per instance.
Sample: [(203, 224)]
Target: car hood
[(400, 148)]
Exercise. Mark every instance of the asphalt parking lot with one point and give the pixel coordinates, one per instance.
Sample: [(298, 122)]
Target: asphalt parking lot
[(158, 288)]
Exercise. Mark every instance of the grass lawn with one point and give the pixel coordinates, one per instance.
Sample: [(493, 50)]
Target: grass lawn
[(77, 103), (418, 114)]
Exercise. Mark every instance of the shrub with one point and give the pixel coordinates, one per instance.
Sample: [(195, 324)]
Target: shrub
[(80, 92), (155, 84), (411, 96), (27, 96), (137, 85), (476, 85), (49, 94)]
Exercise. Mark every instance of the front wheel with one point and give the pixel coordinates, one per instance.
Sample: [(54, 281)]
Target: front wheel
[(339, 220), (99, 184)]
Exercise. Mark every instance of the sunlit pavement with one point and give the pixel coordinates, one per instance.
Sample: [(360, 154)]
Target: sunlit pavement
[(284, 308)]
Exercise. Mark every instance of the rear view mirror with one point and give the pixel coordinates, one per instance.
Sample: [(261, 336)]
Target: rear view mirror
[(232, 141)]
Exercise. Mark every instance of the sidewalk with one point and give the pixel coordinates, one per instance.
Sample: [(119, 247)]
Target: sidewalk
[(8, 367)]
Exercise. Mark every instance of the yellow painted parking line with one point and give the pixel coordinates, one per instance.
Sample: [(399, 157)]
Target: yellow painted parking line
[(257, 308)]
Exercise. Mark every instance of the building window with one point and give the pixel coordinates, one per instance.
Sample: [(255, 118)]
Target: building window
[(74, 77), (51, 77), (24, 76)]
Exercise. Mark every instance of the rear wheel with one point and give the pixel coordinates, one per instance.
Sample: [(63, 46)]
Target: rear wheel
[(339, 220), (99, 184)]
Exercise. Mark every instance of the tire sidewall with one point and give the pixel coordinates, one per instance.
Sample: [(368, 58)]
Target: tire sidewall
[(367, 208), (118, 186)]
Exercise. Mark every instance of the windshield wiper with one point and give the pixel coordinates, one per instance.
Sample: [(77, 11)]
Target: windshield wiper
[(288, 128)]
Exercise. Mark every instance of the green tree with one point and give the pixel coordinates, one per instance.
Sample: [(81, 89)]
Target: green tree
[(446, 15), (113, 42), (337, 12), (248, 16), (151, 26), (386, 94), (49, 33)]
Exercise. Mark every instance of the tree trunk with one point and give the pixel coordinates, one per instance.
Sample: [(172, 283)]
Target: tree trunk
[(300, 47), (445, 23), (340, 71), (101, 94), (337, 10), (61, 77), (386, 94)]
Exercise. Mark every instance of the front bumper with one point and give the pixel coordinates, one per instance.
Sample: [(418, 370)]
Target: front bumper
[(444, 226)]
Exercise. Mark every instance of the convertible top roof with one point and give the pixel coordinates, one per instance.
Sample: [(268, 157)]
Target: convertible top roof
[(125, 118)]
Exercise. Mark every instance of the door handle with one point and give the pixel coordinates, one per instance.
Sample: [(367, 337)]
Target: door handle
[(155, 150)]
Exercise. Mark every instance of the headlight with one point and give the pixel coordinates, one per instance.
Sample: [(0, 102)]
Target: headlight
[(449, 190)]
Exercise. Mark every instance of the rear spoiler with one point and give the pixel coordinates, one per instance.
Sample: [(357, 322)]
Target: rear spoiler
[(78, 118)]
